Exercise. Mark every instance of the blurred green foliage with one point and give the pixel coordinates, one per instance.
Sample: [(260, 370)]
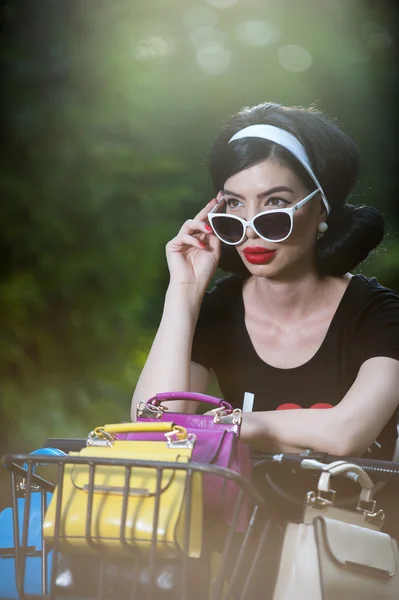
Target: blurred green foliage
[(110, 109)]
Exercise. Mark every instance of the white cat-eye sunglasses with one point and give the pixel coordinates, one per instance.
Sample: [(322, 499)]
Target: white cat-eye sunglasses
[(272, 225)]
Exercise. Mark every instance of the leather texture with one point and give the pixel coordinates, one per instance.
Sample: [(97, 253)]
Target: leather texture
[(142, 426), (332, 560), (193, 396), (298, 575), (192, 421), (109, 482), (216, 444), (349, 546), (337, 553)]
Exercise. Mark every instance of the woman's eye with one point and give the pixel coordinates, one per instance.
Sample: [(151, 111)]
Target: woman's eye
[(277, 202), (233, 203)]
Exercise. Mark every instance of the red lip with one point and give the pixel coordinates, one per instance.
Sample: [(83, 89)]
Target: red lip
[(257, 255), (257, 250)]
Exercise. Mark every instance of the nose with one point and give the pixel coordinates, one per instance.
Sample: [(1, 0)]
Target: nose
[(250, 233)]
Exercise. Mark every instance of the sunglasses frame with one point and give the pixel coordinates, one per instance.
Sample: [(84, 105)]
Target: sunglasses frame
[(251, 223)]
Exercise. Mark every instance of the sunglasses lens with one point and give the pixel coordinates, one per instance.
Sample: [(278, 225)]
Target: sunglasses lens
[(228, 229), (273, 226)]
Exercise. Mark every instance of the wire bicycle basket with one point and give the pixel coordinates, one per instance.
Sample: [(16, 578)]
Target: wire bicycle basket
[(144, 535)]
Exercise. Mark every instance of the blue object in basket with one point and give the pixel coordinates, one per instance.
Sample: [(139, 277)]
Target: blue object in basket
[(33, 583)]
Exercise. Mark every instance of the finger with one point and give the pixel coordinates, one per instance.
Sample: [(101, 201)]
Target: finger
[(195, 226), (202, 215), (181, 242)]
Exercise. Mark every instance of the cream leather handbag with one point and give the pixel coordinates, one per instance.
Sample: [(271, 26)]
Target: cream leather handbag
[(337, 553)]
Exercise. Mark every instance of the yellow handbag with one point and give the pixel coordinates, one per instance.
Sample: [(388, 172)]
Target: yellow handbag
[(93, 514)]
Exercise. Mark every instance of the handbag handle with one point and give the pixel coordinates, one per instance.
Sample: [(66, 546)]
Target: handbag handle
[(341, 467), (138, 427), (174, 434), (194, 396)]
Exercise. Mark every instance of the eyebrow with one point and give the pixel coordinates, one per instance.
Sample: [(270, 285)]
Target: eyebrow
[(278, 188)]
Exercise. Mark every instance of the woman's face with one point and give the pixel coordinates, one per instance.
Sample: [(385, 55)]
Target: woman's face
[(271, 185)]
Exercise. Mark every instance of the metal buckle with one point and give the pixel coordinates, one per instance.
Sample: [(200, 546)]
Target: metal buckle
[(362, 506), (99, 437), (218, 412), (22, 487), (188, 442), (149, 411), (321, 501), (371, 515), (221, 416), (326, 498), (178, 438)]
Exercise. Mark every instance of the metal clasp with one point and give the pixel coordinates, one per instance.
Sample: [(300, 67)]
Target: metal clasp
[(371, 515), (321, 501), (149, 411), (22, 486), (325, 498), (99, 437), (221, 416), (178, 438)]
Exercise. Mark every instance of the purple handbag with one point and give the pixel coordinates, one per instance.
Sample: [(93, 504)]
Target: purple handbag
[(217, 443), (224, 419)]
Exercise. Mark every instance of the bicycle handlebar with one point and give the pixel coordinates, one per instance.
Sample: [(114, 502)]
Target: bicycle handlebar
[(384, 470)]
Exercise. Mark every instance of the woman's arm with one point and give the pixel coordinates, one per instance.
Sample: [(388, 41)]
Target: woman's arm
[(168, 366), (348, 429), (192, 258)]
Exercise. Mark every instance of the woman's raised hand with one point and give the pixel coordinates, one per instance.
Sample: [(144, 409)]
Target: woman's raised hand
[(193, 255)]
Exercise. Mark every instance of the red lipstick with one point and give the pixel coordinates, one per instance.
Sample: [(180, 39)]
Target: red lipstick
[(257, 255)]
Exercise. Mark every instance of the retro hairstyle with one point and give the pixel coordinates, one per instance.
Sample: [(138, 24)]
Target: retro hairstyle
[(353, 231)]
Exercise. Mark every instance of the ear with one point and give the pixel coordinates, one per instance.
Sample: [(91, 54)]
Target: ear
[(323, 211)]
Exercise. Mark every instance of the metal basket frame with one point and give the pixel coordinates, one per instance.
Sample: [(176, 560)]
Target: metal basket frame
[(224, 583)]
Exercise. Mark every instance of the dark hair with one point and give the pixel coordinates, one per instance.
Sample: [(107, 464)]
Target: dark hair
[(352, 231)]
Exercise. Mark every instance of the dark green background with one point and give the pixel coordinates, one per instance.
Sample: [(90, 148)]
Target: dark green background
[(108, 121)]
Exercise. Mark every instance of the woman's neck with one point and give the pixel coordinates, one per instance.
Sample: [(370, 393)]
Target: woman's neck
[(294, 298)]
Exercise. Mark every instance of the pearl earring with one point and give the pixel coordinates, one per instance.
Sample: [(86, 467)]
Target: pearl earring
[(322, 227)]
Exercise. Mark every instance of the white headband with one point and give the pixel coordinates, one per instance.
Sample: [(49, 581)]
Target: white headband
[(286, 140)]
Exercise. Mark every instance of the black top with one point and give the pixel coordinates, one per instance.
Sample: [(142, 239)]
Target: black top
[(365, 324)]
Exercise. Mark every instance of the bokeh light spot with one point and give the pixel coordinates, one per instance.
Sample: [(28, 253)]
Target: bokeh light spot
[(214, 58), (153, 48), (200, 16), (294, 58), (222, 3), (380, 40), (377, 35), (257, 33), (206, 35)]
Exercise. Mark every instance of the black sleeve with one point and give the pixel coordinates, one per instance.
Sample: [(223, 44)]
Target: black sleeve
[(212, 322), (378, 327)]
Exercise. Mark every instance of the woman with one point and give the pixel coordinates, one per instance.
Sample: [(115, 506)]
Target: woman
[(292, 325)]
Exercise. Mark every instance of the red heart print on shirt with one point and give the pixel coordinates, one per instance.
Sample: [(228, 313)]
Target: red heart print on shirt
[(291, 406)]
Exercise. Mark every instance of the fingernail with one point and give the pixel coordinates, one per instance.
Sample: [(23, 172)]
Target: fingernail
[(202, 245), (210, 201), (208, 227)]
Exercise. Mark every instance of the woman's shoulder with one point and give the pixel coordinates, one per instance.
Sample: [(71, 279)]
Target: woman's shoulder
[(373, 319), (370, 290), (372, 302)]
